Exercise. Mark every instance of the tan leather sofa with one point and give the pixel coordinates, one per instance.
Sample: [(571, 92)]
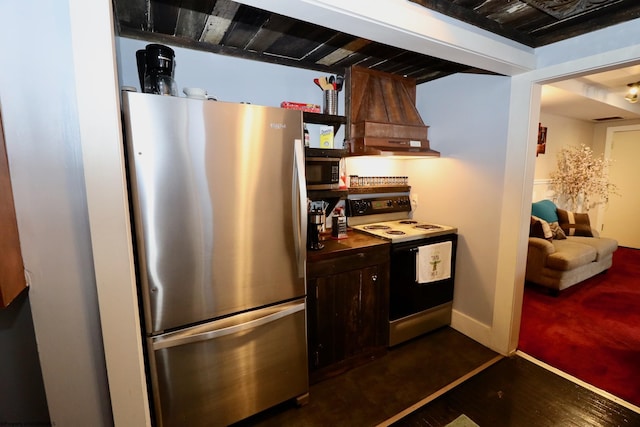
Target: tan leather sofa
[(563, 248), (558, 264)]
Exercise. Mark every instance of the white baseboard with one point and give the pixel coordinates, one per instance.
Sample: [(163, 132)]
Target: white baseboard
[(472, 328)]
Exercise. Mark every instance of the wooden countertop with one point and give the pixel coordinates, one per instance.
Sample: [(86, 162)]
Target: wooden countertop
[(337, 247)]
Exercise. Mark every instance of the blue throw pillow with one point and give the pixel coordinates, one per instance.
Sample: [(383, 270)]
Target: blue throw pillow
[(545, 209)]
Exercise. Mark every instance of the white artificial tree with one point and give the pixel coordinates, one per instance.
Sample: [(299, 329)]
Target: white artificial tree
[(581, 180)]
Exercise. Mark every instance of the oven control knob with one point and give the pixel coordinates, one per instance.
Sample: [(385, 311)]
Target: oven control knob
[(389, 203), (360, 206)]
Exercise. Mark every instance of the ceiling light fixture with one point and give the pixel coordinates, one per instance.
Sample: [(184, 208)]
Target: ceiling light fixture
[(632, 93)]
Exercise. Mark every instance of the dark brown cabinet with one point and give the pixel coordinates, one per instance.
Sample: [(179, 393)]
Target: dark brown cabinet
[(348, 300), (12, 279)]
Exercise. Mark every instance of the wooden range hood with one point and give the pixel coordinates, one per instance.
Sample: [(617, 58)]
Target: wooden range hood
[(383, 116)]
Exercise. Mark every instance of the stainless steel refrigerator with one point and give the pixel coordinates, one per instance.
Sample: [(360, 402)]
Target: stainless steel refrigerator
[(219, 208)]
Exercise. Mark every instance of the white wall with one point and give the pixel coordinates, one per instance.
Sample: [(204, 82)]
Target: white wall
[(603, 42), (94, 59), (561, 132), (227, 78), (234, 80), (464, 187), (38, 95)]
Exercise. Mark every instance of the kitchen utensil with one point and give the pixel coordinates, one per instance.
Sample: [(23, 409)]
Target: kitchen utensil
[(339, 224), (330, 102), (315, 224)]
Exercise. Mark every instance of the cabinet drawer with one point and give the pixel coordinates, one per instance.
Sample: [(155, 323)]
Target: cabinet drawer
[(349, 261)]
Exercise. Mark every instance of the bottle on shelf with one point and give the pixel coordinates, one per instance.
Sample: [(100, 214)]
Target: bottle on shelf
[(307, 137)]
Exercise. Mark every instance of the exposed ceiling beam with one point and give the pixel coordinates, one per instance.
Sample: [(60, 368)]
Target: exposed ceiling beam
[(409, 26)]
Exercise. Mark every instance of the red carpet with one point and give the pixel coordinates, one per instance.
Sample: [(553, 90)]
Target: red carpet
[(592, 329)]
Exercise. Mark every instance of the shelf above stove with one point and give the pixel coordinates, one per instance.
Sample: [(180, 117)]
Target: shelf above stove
[(380, 189)]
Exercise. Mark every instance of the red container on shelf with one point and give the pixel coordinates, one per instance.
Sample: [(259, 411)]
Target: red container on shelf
[(310, 108)]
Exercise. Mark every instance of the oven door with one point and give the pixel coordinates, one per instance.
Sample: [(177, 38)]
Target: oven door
[(408, 297)]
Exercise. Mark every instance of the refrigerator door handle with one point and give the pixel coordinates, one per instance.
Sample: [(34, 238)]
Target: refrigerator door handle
[(196, 334), (299, 205)]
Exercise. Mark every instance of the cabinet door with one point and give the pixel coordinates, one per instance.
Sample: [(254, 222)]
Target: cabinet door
[(320, 322), (374, 315), (328, 321), (347, 315), (361, 302), (351, 295)]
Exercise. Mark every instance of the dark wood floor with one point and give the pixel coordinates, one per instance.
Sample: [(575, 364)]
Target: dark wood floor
[(511, 392), (375, 392), (517, 393)]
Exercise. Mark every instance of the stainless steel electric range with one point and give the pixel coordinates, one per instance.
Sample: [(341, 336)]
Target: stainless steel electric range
[(422, 261)]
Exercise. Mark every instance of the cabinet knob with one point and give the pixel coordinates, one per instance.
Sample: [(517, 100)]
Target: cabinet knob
[(374, 277)]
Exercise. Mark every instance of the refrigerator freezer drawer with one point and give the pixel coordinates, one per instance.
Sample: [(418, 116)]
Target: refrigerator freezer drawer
[(224, 371)]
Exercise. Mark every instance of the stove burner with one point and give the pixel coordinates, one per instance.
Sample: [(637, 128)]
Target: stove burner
[(377, 227), (427, 226), (396, 232), (408, 221)]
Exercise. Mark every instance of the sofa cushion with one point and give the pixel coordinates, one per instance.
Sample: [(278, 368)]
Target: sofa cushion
[(604, 246), (540, 228), (574, 224), (545, 209), (570, 254), (557, 231)]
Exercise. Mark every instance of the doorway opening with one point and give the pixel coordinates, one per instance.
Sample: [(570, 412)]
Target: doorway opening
[(621, 137)]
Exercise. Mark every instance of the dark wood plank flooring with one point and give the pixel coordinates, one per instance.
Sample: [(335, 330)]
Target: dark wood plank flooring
[(380, 389), (515, 392)]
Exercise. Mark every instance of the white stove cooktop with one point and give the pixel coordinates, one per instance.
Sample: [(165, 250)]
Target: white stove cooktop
[(405, 230)]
